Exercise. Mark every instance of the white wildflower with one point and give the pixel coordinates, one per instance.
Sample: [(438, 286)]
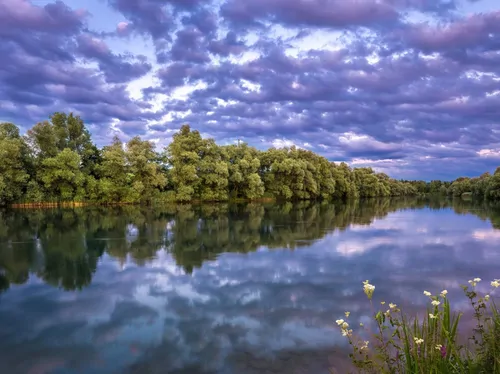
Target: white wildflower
[(418, 341), (339, 321), (438, 347), (427, 293), (444, 293), (435, 302), (392, 306), (432, 316), (496, 283), (487, 298), (346, 332), (347, 314), (368, 289)]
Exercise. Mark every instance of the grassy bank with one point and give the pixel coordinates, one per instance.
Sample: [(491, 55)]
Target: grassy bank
[(430, 345)]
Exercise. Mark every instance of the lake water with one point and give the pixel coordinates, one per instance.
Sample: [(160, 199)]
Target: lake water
[(252, 288)]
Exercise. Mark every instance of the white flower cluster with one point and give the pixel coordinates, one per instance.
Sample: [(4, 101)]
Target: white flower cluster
[(344, 327), (368, 289), (474, 282), (418, 341)]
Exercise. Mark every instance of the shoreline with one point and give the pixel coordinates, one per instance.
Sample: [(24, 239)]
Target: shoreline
[(77, 204)]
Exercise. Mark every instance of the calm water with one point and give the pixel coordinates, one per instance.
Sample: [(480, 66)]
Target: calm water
[(221, 288)]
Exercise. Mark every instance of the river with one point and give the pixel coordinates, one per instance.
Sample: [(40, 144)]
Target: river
[(223, 288)]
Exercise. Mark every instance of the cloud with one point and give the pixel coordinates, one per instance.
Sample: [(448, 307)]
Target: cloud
[(320, 13), (54, 64), (478, 31), (494, 153), (52, 18), (116, 68), (414, 82)]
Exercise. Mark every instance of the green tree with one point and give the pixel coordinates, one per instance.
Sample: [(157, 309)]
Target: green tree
[(184, 155), (13, 164), (61, 176), (42, 140), (345, 186), (435, 186), (145, 173), (367, 182), (57, 159), (284, 175), (493, 188), (460, 186), (243, 166), (113, 185), (213, 172)]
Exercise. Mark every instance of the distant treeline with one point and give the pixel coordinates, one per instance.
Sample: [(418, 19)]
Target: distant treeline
[(56, 161)]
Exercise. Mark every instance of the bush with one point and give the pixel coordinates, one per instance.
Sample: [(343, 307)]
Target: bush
[(410, 345)]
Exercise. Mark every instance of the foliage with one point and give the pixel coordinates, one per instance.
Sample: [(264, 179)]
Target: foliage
[(57, 161), (429, 345), (61, 176), (13, 164)]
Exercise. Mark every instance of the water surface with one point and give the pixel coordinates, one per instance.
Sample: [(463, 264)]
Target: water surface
[(250, 288)]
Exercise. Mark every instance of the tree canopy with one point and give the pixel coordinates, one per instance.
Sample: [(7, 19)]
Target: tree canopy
[(57, 161)]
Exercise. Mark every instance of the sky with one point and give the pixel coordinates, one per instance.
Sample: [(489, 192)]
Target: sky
[(408, 87)]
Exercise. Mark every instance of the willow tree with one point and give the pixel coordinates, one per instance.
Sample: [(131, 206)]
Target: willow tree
[(184, 155), (61, 176), (145, 173), (493, 187), (213, 172), (243, 166), (113, 185), (13, 164)]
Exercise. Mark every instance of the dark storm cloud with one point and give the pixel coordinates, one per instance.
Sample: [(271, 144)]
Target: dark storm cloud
[(365, 80)]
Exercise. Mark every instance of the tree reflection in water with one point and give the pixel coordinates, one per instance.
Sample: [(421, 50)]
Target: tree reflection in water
[(63, 246)]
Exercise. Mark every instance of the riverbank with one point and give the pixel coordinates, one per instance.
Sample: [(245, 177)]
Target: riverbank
[(75, 204)]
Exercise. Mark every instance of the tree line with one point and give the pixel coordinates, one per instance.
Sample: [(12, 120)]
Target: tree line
[(57, 161)]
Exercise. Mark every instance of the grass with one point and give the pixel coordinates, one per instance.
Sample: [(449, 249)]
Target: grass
[(429, 345)]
